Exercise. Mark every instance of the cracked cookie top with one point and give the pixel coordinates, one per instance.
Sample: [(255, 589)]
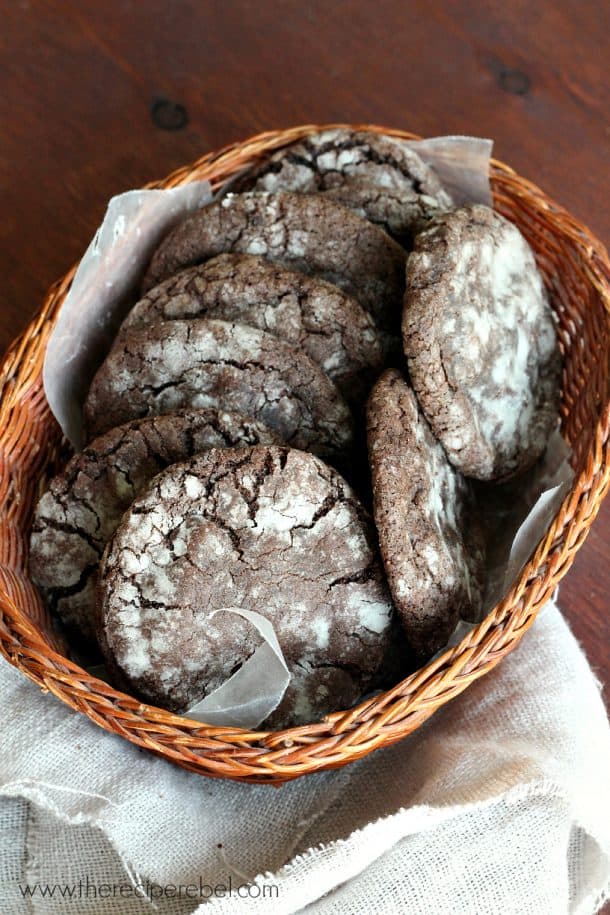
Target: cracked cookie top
[(316, 236), (168, 365), (398, 216), (429, 536), (83, 505), (269, 529), (480, 342), (378, 176), (330, 326)]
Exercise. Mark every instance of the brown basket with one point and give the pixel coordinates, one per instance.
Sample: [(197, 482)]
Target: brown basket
[(577, 273)]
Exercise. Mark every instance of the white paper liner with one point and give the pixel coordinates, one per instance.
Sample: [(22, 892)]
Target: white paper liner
[(103, 290), (462, 164), (516, 516), (255, 690)]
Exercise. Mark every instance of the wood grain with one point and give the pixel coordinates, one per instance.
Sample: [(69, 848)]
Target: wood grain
[(98, 98)]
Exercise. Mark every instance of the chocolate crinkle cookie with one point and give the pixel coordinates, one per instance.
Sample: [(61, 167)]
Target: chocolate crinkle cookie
[(83, 505), (310, 234), (326, 323), (430, 539), (268, 529), (169, 365), (379, 176), (480, 342)]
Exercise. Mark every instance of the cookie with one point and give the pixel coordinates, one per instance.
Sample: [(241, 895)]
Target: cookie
[(378, 176), (480, 342), (321, 319), (79, 512), (318, 237), (268, 529), (430, 539), (169, 365), (398, 216)]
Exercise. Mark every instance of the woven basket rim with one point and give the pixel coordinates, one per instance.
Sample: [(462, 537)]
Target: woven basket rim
[(342, 736)]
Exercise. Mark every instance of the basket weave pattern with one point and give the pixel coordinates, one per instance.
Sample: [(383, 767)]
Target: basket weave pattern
[(577, 273)]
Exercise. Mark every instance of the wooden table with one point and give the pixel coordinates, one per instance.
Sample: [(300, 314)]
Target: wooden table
[(101, 97)]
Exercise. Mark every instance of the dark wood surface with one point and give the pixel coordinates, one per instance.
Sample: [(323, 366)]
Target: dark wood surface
[(101, 97)]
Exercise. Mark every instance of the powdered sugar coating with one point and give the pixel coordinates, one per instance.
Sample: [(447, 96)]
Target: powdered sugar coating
[(330, 326), (165, 366), (378, 176), (480, 341), (269, 529), (430, 539), (315, 236), (80, 510)]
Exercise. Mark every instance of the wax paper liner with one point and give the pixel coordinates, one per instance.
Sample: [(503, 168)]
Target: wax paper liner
[(103, 290), (515, 516), (462, 164), (255, 690)]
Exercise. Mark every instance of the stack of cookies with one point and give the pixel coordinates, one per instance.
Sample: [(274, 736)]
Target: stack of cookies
[(335, 299)]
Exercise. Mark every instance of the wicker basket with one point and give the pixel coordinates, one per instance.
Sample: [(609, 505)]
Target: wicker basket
[(577, 273)]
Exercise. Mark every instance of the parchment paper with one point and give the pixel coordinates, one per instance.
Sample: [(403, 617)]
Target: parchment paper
[(103, 291), (462, 164), (255, 690), (516, 514)]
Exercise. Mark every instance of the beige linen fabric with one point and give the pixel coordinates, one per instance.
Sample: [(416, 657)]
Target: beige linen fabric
[(500, 803)]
